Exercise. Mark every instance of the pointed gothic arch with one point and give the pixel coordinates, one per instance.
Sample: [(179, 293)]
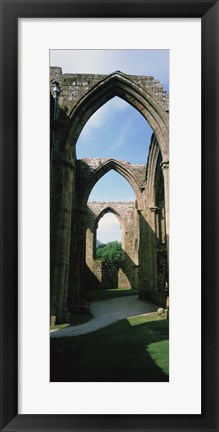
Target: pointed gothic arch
[(104, 168), (81, 95), (127, 215), (108, 209), (118, 84)]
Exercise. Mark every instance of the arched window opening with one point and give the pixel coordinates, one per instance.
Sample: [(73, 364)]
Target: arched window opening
[(116, 130), (111, 210), (109, 238), (112, 187)]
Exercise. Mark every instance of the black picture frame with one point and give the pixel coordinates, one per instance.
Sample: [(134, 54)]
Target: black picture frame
[(208, 11)]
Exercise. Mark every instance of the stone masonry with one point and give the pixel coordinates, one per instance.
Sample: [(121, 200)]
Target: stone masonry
[(128, 217), (145, 222)]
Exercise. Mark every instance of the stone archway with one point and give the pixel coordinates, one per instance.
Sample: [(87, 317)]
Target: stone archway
[(145, 98), (90, 170), (80, 97), (126, 267), (97, 211)]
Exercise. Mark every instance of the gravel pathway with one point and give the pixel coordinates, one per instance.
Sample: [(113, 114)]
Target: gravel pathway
[(106, 312)]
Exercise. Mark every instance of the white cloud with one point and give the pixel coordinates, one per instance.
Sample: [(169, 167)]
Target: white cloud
[(109, 228), (132, 62), (119, 104), (108, 219), (103, 114), (86, 61), (97, 120), (124, 132), (128, 129)]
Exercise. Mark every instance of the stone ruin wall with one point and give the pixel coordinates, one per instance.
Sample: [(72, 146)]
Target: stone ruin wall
[(127, 268), (68, 210), (87, 168), (74, 86)]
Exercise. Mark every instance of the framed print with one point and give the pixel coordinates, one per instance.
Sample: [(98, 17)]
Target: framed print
[(46, 104), (114, 228)]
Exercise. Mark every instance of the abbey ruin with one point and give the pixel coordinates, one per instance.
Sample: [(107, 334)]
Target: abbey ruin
[(74, 221)]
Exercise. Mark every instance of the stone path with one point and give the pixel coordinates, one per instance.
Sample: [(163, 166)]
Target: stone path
[(106, 312)]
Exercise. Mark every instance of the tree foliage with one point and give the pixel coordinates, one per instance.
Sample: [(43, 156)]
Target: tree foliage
[(110, 251)]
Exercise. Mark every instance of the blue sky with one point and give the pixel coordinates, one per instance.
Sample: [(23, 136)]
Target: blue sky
[(116, 130), (134, 62), (112, 187)]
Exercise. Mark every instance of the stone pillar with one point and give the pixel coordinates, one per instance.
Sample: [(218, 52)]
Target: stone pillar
[(147, 254), (136, 267), (89, 246), (61, 211), (156, 222), (155, 240), (77, 297), (165, 168)]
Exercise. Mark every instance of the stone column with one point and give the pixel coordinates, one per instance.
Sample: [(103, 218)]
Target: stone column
[(77, 297), (136, 268), (156, 223), (155, 229), (89, 246), (147, 253), (61, 210), (165, 168)]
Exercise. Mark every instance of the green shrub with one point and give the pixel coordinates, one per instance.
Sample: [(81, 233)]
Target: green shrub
[(110, 251)]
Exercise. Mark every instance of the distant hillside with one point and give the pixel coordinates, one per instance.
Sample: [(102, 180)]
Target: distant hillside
[(99, 243)]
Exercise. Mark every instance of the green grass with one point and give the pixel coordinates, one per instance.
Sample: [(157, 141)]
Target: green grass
[(77, 319), (58, 326), (74, 320), (159, 353), (105, 294), (134, 349)]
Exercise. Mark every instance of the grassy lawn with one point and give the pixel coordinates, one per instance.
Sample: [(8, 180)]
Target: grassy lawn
[(134, 349), (74, 320), (105, 294), (58, 326)]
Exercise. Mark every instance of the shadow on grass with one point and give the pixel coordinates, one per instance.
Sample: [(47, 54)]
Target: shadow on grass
[(105, 294), (75, 320), (132, 350)]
